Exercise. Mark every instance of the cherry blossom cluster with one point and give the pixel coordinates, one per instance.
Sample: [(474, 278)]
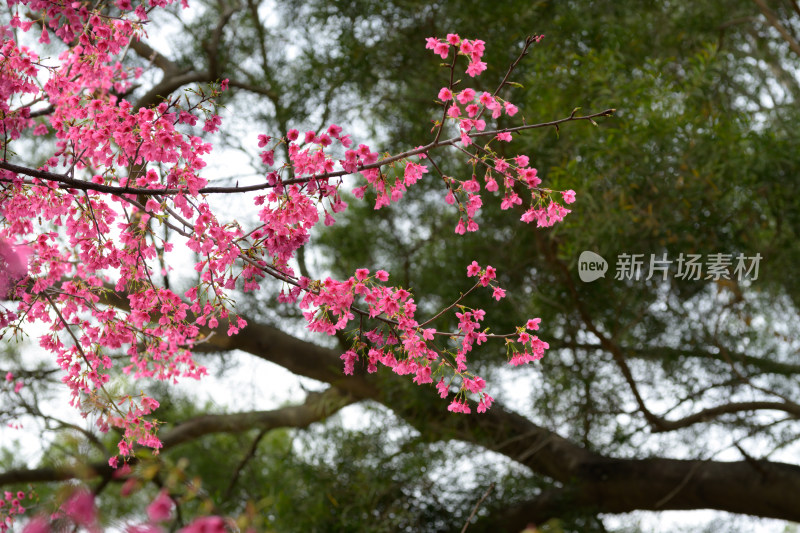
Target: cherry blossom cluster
[(17, 65), (11, 507), (401, 342), (77, 240), (17, 385), (511, 172), (472, 49), (83, 248), (95, 252)]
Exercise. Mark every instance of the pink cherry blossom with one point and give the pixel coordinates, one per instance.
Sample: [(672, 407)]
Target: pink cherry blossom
[(533, 324), (161, 508), (104, 236), (466, 96)]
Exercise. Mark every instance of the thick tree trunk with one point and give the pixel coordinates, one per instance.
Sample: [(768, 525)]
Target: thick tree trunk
[(591, 482)]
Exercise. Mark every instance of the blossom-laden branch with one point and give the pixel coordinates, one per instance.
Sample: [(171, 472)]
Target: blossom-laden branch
[(64, 181), (143, 169)]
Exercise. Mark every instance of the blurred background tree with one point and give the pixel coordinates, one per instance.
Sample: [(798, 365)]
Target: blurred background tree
[(657, 394)]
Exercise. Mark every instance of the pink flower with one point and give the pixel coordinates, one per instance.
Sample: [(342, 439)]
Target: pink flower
[(37, 525), (349, 357), (569, 196), (453, 38), (442, 49), (334, 131), (80, 508), (206, 524), (475, 68), (382, 275), (504, 136), (473, 269), (362, 274), (445, 94), (478, 47), (212, 124), (458, 406), (442, 388), (13, 265), (485, 403), (498, 293), (533, 324), (511, 109), (161, 508), (501, 165), (466, 96), (292, 134), (474, 385), (423, 375)]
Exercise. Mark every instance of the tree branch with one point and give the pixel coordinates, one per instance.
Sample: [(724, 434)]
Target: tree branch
[(68, 182), (317, 407), (773, 20), (597, 482)]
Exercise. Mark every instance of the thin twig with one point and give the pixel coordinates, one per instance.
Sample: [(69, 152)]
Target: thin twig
[(477, 505)]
